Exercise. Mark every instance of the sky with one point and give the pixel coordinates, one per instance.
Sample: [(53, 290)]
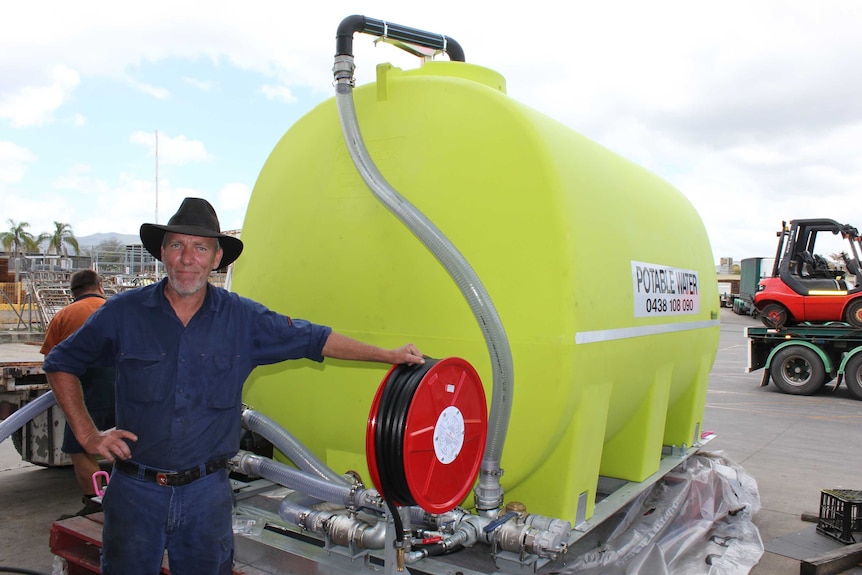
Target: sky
[(112, 112)]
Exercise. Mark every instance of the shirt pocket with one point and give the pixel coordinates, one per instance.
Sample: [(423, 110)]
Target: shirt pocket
[(144, 373), (223, 383)]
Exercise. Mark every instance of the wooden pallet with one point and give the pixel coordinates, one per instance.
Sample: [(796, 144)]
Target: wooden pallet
[(78, 541)]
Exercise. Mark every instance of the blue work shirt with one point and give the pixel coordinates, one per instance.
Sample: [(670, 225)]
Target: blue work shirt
[(179, 388)]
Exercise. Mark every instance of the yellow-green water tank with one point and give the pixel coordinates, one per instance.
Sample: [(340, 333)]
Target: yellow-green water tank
[(601, 272)]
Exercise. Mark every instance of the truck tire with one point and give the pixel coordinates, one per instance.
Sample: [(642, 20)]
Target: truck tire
[(853, 315), (798, 370), (774, 315), (853, 375), (17, 441)]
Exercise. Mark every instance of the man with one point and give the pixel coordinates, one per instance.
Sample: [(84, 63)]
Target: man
[(183, 349), (97, 383)]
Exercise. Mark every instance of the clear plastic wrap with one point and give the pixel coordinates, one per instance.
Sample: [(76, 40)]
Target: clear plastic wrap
[(697, 519)]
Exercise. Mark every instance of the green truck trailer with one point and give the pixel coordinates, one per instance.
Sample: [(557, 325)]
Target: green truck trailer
[(801, 359)]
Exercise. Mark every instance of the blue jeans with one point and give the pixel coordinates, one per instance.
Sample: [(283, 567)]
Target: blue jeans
[(192, 522)]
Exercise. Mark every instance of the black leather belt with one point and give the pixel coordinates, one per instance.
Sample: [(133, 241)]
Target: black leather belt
[(169, 478)]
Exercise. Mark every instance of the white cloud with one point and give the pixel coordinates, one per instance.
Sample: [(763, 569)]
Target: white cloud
[(79, 120), (751, 109), (133, 201), (282, 93), (22, 208), (79, 178), (202, 85), (13, 162), (232, 202), (176, 151), (154, 91), (34, 104)]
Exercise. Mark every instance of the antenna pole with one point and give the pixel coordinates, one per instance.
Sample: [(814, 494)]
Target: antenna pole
[(157, 177)]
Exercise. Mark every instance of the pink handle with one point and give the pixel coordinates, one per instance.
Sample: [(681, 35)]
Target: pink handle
[(100, 491)]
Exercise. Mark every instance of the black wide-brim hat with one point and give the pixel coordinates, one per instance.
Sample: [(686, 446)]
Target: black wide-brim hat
[(196, 217)]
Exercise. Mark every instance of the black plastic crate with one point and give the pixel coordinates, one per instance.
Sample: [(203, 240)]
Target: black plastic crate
[(840, 514)]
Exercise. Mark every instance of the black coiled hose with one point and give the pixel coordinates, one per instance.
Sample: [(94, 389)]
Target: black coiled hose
[(392, 412)]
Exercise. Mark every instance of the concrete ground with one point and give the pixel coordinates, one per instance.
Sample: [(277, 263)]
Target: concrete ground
[(31, 498), (793, 446)]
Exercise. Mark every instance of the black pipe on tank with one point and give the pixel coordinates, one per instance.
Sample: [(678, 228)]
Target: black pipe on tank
[(353, 24)]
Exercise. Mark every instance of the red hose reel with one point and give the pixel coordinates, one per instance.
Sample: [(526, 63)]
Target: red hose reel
[(426, 433)]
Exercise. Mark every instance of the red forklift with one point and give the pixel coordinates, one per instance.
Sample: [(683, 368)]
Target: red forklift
[(809, 285)]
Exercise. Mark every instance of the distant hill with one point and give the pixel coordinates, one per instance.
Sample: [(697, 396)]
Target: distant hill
[(95, 239)]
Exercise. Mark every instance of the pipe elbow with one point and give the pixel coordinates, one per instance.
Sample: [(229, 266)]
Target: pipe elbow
[(344, 35), (372, 537), (246, 415), (453, 48)]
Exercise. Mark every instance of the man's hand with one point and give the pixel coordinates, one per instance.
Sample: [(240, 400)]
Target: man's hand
[(110, 444), (408, 354)]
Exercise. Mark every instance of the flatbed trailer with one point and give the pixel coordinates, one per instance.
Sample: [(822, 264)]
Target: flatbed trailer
[(21, 381), (266, 544), (801, 359)]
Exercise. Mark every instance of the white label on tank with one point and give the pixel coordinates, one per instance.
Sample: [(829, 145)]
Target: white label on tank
[(663, 290), (449, 435)]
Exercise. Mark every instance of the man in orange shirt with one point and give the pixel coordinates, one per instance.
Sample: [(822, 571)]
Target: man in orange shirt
[(98, 383)]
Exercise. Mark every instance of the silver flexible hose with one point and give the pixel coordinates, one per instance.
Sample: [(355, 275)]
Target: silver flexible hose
[(285, 442), (20, 417), (489, 493), (292, 512), (345, 495)]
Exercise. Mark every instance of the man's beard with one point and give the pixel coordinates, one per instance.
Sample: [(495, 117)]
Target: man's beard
[(186, 289)]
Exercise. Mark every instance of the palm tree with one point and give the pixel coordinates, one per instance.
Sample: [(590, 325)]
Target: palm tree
[(18, 239), (62, 237)]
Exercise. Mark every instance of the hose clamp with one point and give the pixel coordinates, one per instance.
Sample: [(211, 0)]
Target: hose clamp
[(302, 519), (354, 489), (342, 70)]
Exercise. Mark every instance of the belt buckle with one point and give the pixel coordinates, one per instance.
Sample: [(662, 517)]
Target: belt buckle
[(162, 478)]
